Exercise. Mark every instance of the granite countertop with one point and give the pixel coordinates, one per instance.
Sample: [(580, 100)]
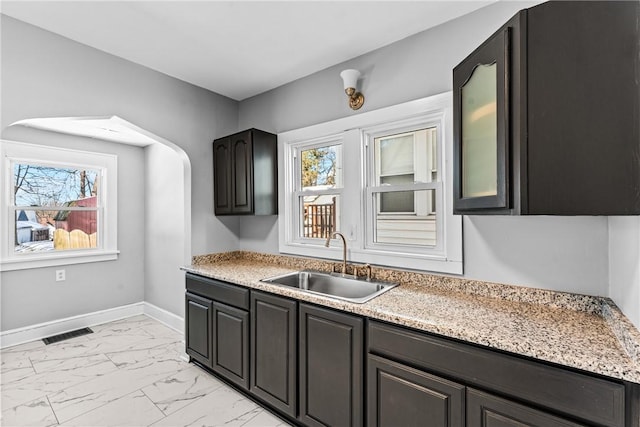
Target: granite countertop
[(577, 331)]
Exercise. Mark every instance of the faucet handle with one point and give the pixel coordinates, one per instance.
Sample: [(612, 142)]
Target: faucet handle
[(367, 268)]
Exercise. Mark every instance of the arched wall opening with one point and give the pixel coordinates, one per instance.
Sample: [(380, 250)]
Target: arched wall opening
[(167, 206)]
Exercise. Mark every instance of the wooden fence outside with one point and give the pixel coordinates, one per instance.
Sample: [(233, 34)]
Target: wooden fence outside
[(76, 239), (319, 220)]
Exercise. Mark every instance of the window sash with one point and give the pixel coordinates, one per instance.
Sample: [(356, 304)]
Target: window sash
[(372, 187), (296, 232), (297, 150), (372, 214)]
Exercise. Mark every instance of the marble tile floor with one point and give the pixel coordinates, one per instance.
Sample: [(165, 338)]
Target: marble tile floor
[(127, 373)]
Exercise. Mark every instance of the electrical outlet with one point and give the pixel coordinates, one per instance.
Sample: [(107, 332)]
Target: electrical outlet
[(353, 231), (60, 275)]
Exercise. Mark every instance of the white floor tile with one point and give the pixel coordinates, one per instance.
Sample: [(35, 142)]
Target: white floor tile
[(34, 413), (78, 399), (14, 360), (222, 407), (15, 375), (29, 387), (265, 418), (159, 351), (128, 372), (134, 409), (177, 391), (71, 364)]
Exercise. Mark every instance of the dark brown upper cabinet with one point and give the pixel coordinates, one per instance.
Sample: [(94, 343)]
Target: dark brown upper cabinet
[(546, 114), (245, 170)]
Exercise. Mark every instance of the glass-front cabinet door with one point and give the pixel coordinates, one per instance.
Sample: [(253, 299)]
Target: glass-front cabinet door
[(481, 127)]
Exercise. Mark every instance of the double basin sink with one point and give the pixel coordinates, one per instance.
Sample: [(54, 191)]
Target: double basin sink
[(339, 286)]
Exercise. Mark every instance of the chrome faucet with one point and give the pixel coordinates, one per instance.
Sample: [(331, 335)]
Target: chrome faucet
[(344, 248)]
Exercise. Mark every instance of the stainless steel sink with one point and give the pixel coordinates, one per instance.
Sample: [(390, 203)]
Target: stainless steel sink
[(334, 285)]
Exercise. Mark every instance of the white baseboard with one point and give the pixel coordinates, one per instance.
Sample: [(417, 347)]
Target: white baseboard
[(42, 330), (171, 320)]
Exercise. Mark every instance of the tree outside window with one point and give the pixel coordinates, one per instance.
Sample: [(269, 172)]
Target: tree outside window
[(56, 207)]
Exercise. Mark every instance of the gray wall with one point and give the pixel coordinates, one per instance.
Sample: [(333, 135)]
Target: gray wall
[(45, 75), (33, 296), (567, 254), (164, 227), (624, 265)]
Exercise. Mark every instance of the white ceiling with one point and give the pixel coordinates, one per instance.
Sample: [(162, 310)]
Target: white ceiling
[(237, 48)]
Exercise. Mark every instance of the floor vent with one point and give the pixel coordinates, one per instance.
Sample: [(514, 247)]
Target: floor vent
[(67, 335)]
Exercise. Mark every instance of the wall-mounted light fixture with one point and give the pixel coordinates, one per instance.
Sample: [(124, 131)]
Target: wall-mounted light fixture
[(350, 78)]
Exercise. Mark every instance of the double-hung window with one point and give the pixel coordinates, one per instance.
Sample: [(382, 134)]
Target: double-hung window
[(58, 206), (380, 178), (404, 188), (317, 188)]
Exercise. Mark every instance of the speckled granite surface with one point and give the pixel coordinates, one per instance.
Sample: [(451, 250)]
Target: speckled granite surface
[(578, 331)]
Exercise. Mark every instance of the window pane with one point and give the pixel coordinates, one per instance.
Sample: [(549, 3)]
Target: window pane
[(396, 154), (321, 167), (406, 154), (417, 229), (36, 185), (320, 215), (401, 201), (55, 230)]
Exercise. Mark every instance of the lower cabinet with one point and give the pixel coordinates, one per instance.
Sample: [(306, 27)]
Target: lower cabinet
[(307, 353), (485, 410), (198, 328), (308, 363), (217, 327), (331, 367), (398, 395), (547, 396), (230, 354), (274, 348)]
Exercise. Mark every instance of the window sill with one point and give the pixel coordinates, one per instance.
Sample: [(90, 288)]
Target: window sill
[(52, 260)]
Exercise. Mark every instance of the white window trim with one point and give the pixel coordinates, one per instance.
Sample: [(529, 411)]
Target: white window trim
[(436, 120), (448, 258), (12, 151), (297, 192)]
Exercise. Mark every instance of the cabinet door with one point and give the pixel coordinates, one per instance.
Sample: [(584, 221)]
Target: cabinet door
[(222, 176), (242, 173), (481, 127), (331, 348), (273, 351), (198, 326), (485, 410), (230, 355), (398, 395)]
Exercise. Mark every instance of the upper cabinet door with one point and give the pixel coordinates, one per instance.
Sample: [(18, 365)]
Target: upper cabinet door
[(245, 170), (542, 122), (481, 126), (242, 183), (222, 175)]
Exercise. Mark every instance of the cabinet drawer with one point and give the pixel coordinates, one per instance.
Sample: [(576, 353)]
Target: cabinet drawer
[(219, 291), (485, 410), (581, 396)]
